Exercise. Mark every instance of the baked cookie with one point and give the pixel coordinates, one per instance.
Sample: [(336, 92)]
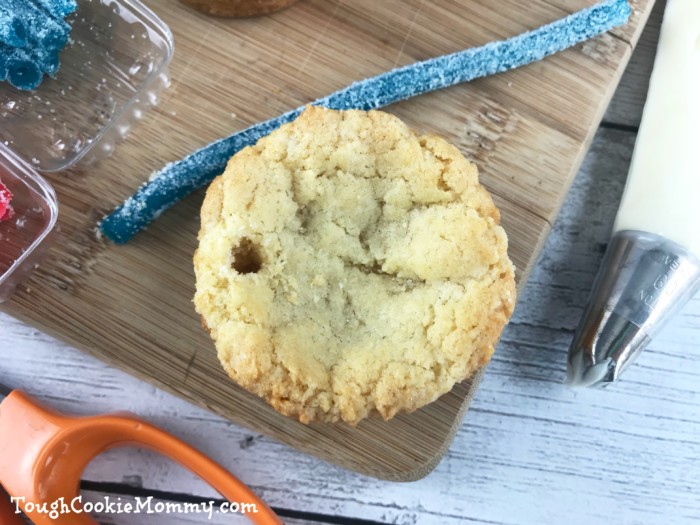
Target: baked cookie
[(239, 8), (347, 266)]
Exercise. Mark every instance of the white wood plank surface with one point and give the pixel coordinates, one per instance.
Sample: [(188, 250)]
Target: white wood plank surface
[(531, 451)]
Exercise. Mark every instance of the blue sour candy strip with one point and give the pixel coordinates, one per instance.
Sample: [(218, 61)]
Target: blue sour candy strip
[(3, 65), (31, 39), (43, 30), (20, 68), (58, 8), (13, 30), (178, 179)]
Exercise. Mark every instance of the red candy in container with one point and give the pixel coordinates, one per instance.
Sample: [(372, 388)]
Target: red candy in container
[(28, 212), (6, 211), (112, 71)]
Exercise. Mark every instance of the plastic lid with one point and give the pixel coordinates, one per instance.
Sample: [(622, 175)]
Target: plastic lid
[(111, 71), (24, 237)]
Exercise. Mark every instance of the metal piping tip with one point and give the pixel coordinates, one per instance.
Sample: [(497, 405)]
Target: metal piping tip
[(582, 374), (603, 349), (643, 281)]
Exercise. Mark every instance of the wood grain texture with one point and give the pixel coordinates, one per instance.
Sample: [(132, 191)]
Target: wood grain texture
[(131, 306)]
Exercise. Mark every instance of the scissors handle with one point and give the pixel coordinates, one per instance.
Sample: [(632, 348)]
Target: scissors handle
[(8, 516), (43, 456)]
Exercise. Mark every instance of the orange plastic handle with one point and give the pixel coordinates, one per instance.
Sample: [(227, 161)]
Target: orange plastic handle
[(43, 455), (8, 516)]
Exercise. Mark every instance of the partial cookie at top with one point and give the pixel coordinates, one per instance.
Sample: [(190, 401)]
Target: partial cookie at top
[(347, 266)]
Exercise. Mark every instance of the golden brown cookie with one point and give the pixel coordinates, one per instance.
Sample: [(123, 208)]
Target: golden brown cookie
[(347, 266), (239, 8)]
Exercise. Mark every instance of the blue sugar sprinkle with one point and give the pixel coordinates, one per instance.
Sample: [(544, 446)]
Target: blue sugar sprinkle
[(178, 179)]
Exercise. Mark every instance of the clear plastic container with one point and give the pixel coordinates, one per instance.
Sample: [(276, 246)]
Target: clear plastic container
[(112, 71), (24, 238)]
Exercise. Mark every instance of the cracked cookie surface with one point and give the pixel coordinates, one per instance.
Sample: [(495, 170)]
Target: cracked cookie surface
[(347, 266)]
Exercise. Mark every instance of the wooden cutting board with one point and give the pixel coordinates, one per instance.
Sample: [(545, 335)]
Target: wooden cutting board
[(131, 305)]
